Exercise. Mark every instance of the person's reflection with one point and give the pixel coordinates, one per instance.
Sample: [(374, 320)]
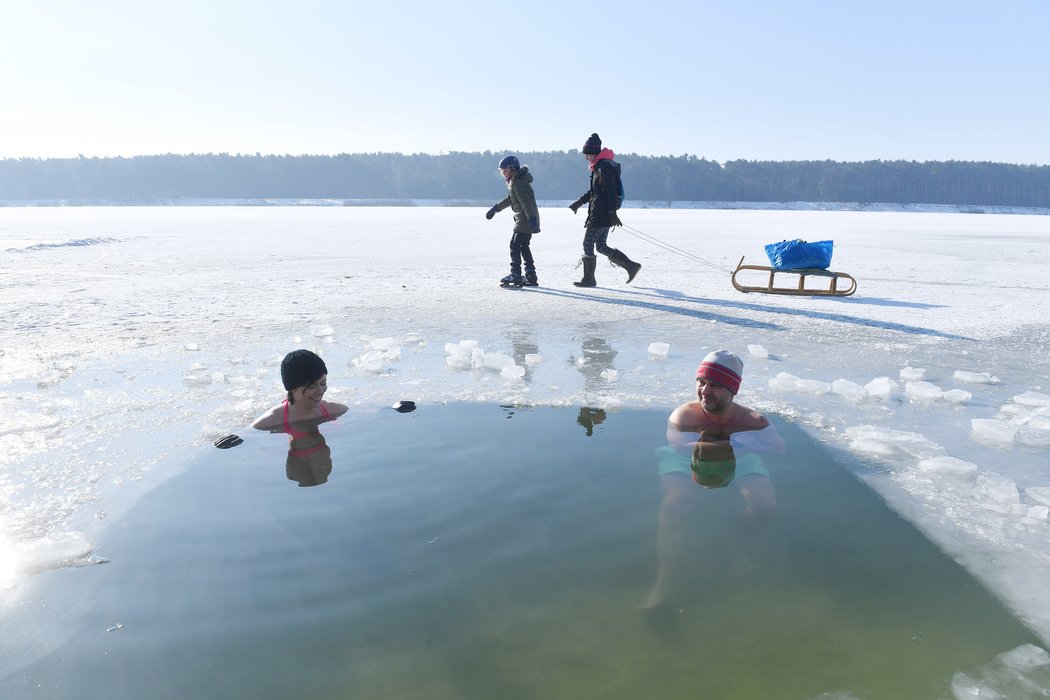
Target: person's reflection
[(590, 417), (309, 459), (714, 462), (712, 442), (522, 348), (596, 357)]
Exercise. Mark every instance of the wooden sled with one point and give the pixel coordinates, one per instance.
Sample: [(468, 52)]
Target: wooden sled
[(799, 288)]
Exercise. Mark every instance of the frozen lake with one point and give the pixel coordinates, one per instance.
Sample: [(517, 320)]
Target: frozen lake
[(133, 337)]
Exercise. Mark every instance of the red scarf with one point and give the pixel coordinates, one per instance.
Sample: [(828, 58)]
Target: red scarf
[(604, 154)]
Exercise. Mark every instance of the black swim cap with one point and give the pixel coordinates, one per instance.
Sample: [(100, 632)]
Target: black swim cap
[(300, 368)]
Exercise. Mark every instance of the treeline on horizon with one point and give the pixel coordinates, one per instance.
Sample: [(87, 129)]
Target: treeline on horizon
[(560, 175)]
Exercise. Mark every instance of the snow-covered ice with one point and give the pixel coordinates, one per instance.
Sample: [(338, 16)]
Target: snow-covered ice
[(133, 337)]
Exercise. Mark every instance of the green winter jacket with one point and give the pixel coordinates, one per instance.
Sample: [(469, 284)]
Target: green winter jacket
[(522, 201)]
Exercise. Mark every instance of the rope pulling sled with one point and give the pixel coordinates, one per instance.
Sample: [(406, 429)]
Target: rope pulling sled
[(799, 287)]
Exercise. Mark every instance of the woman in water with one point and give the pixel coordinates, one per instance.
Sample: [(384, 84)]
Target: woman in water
[(305, 377)]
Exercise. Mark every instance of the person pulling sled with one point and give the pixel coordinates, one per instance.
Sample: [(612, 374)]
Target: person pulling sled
[(522, 201), (603, 200)]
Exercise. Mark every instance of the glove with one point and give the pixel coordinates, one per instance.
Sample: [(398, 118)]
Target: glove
[(228, 441), (534, 225), (574, 207), (614, 220), (490, 213)]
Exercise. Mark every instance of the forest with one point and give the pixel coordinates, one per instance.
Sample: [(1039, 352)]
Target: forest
[(473, 177)]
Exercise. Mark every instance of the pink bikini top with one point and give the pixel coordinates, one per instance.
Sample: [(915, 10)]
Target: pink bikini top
[(288, 426)]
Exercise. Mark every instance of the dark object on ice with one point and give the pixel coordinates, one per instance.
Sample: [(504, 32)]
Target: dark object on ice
[(228, 441), (512, 280), (404, 406)]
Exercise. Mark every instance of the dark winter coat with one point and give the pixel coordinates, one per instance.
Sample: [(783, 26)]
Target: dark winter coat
[(602, 197), (522, 201)]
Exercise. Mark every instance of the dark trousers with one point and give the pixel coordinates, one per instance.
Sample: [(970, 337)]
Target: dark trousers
[(520, 250), (595, 238)]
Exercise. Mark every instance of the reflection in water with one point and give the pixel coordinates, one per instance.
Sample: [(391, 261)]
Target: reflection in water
[(309, 459), (714, 462), (590, 417), (596, 357), (523, 348)]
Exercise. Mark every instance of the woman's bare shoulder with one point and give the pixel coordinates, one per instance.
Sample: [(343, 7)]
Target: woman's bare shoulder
[(270, 419)]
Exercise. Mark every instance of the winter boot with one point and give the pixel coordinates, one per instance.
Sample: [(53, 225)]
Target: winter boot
[(531, 280), (626, 263), (589, 263), (512, 280)]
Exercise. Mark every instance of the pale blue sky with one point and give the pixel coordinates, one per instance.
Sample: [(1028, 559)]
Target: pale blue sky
[(760, 80)]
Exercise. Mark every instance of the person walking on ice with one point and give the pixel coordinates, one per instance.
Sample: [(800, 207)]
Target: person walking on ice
[(522, 201), (603, 200)]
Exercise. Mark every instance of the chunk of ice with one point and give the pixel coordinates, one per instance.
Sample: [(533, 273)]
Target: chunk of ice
[(952, 466), (659, 350), (783, 382), (966, 688), (463, 347), (997, 489), (610, 375), (956, 396), (993, 432), (196, 377), (913, 374), (881, 388), (789, 383), (512, 371), (922, 391), (898, 442), (1038, 512), (975, 377), (1033, 437), (458, 361), (1032, 398), (1039, 494), (385, 344), (1039, 422), (498, 361), (322, 331), (758, 351), (874, 448), (371, 361), (1025, 658), (848, 390), (533, 359)]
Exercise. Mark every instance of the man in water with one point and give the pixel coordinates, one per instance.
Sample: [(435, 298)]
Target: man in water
[(704, 437)]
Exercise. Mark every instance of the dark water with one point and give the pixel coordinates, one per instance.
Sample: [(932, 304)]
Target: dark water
[(474, 551)]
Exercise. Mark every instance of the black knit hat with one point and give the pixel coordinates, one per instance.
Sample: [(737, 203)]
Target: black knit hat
[(301, 368), (593, 146)]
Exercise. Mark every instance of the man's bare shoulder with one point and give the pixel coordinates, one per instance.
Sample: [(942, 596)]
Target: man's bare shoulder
[(686, 414), (749, 418)]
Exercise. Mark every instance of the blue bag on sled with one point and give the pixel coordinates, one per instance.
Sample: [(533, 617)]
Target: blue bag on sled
[(796, 254)]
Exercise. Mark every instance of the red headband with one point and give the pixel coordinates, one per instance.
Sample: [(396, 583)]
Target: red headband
[(720, 374)]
